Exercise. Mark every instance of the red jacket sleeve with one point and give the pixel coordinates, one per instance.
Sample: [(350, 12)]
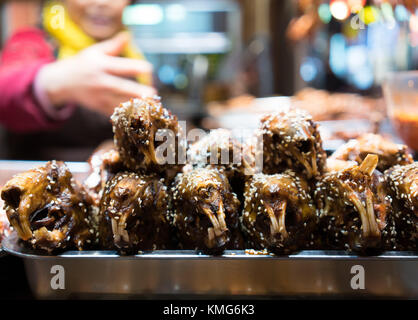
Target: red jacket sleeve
[(23, 55)]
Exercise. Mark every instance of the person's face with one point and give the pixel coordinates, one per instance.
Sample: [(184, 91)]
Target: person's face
[(100, 19)]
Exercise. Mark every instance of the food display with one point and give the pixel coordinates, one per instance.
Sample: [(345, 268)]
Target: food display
[(134, 213), (361, 199), (221, 150), (208, 150), (291, 140), (324, 105), (353, 208), (389, 153), (135, 124), (279, 214), (105, 163), (48, 208), (403, 188), (205, 210)]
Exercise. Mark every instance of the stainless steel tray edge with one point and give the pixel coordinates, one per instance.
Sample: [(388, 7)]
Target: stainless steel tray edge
[(97, 274)]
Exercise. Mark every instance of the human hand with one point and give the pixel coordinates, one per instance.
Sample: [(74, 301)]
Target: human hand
[(96, 78)]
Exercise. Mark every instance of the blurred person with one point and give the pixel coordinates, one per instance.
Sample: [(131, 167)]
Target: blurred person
[(60, 83)]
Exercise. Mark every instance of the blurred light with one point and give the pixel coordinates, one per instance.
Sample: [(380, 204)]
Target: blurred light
[(143, 14), (181, 81), (356, 5), (387, 10), (369, 14), (175, 12), (363, 79), (413, 23), (337, 54), (401, 13), (324, 13), (356, 58), (166, 74), (358, 67), (388, 15), (413, 40), (339, 9), (308, 70)]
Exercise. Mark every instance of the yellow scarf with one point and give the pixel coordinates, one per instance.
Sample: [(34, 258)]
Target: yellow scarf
[(71, 39)]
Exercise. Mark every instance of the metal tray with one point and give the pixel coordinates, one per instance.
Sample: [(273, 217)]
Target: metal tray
[(98, 274), (105, 274)]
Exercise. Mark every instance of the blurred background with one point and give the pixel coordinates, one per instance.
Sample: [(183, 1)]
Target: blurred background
[(214, 60)]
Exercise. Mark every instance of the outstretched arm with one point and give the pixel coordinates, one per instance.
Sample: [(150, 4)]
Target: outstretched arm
[(23, 107)]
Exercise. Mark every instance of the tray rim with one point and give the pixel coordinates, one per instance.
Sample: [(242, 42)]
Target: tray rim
[(11, 246)]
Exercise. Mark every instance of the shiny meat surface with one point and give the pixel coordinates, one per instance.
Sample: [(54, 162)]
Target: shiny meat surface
[(389, 153), (353, 208), (135, 124), (279, 214), (48, 208), (205, 210), (403, 188), (291, 140), (104, 164), (133, 214), (5, 229), (338, 165), (220, 149)]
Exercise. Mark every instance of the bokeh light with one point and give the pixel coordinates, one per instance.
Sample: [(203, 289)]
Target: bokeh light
[(388, 15), (401, 13), (166, 74), (339, 9), (356, 5), (308, 69), (337, 54), (324, 13), (369, 14), (143, 14), (181, 81), (176, 12), (413, 23)]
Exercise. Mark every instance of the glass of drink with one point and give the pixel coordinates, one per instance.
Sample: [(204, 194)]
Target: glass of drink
[(401, 96)]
